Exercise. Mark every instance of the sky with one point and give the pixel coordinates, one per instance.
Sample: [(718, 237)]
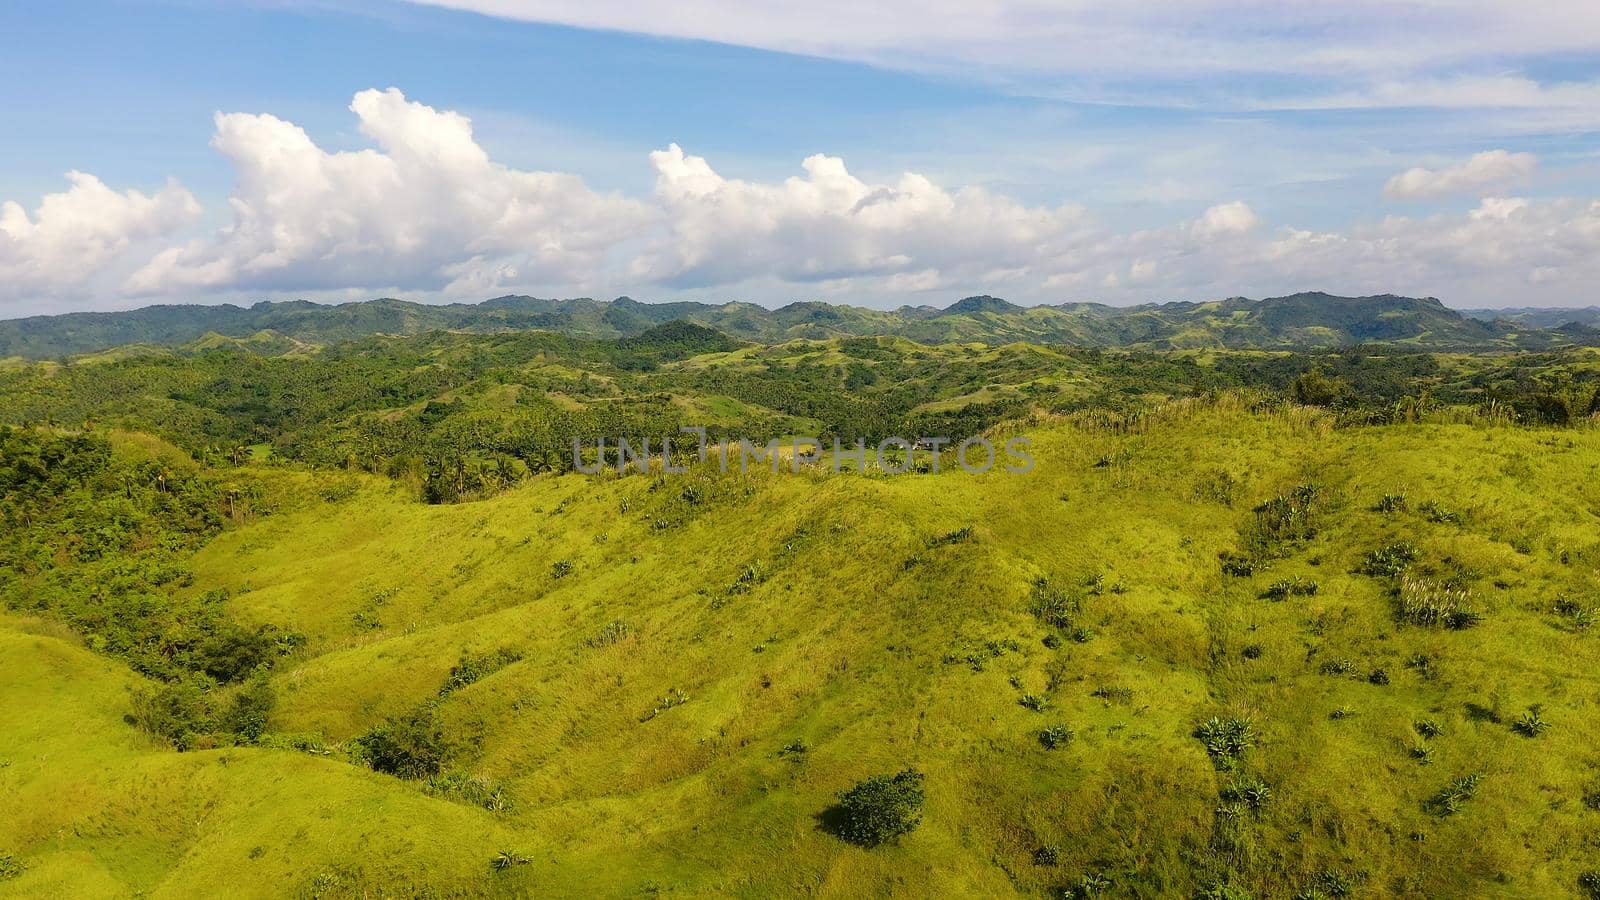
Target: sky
[(882, 154)]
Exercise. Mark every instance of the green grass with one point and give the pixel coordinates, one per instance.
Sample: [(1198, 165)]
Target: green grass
[(774, 610)]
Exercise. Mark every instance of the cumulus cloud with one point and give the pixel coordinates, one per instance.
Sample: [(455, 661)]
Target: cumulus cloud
[(426, 209), (1490, 169), (74, 235), (1226, 219), (831, 224)]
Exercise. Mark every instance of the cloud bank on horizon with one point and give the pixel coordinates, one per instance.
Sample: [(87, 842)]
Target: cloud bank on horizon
[(427, 211)]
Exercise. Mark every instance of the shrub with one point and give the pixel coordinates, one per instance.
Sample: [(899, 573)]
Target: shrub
[(959, 536), (232, 653), (178, 711), (1285, 519), (1092, 884), (613, 632), (1391, 503), (1054, 605), (1252, 792), (1034, 702), (1337, 667), (247, 717), (474, 667), (1225, 740), (506, 859), (9, 867), (1378, 677), (1046, 856), (1530, 723), (1290, 587), (560, 569), (1428, 728), (1450, 798), (410, 746), (1437, 514), (1055, 736), (882, 808), (1390, 560), (1236, 565), (1429, 603), (473, 789), (1252, 651), (1589, 883)]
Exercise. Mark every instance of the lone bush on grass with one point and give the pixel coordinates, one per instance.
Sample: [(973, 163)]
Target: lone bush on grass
[(1450, 798), (1055, 736), (1531, 723), (881, 809), (409, 746), (474, 667)]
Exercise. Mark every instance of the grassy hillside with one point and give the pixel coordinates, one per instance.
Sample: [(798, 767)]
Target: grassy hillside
[(652, 684), (1310, 320)]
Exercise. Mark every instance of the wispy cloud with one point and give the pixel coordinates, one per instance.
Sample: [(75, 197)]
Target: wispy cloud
[(1252, 53)]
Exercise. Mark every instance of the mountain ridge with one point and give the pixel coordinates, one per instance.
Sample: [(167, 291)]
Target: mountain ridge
[(1305, 320)]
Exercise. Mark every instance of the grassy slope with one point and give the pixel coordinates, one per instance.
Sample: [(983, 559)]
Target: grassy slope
[(839, 642)]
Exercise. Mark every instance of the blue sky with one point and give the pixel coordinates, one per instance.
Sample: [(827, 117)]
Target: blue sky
[(1210, 149)]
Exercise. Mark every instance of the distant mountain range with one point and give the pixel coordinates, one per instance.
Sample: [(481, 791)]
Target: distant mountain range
[(1539, 316), (1298, 321)]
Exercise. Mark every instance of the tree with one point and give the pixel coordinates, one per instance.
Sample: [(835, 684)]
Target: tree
[(411, 746), (881, 808), (1316, 389)]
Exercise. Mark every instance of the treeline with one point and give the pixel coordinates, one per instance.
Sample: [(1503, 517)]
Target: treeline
[(462, 416)]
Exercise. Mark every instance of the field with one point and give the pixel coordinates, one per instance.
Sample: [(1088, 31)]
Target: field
[(1216, 647)]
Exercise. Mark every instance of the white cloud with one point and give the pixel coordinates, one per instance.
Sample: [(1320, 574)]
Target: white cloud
[(1490, 169), (428, 212), (75, 234), (1225, 219), (427, 209), (1383, 52), (1104, 35), (831, 224)]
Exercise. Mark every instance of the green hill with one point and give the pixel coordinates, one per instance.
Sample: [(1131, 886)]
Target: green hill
[(662, 684)]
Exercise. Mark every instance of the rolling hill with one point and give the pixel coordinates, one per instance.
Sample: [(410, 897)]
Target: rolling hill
[(1115, 673)]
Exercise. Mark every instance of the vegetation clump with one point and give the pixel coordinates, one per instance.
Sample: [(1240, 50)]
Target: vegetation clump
[(1448, 800), (1531, 723), (408, 746), (508, 859), (474, 667), (1428, 603), (1290, 587), (1055, 736), (1390, 560), (1226, 740), (613, 632), (881, 809)]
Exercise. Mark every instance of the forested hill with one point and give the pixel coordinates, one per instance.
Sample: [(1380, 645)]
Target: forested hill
[(1305, 320)]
